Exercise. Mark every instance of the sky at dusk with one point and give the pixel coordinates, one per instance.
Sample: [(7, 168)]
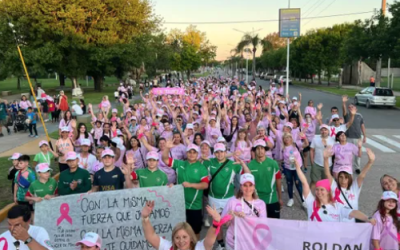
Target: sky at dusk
[(225, 37)]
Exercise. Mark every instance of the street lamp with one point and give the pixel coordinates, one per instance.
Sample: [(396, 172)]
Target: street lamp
[(247, 51)]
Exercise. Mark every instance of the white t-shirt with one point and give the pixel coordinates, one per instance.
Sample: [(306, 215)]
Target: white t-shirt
[(166, 245), (39, 234), (77, 109), (334, 130), (319, 148), (334, 213), (352, 196), (87, 163)]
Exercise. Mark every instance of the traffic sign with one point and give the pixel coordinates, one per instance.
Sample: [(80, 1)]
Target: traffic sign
[(289, 22)]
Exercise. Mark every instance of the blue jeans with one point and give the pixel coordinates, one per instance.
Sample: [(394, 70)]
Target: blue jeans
[(292, 178)]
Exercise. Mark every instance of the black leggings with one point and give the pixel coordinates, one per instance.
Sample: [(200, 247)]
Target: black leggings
[(63, 166), (274, 210), (32, 127)]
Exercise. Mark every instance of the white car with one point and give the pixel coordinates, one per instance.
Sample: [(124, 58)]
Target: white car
[(283, 78), (269, 76), (262, 75), (374, 96)]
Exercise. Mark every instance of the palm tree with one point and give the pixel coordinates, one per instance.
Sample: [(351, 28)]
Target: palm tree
[(255, 41), (239, 50)]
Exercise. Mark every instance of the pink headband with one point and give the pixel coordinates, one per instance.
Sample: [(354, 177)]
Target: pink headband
[(325, 183)]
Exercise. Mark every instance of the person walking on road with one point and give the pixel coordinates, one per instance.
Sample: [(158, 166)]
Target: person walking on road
[(354, 132)]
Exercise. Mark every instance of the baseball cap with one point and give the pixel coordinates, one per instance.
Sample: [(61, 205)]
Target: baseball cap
[(247, 178), (205, 142), (114, 110), (43, 168), (335, 116), (73, 102), (85, 142), (133, 118), (65, 129), (41, 143), (15, 156), (289, 124), (324, 126), (294, 98), (346, 168), (389, 195), (71, 156), (108, 152), (189, 126), (221, 139), (259, 143), (219, 147), (212, 118), (194, 147), (152, 155)]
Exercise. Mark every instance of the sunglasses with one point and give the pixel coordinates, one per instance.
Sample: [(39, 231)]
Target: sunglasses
[(324, 208), (335, 120)]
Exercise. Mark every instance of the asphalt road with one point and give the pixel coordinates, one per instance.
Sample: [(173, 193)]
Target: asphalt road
[(383, 137)]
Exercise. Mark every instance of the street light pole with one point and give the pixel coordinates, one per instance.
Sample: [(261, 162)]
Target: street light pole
[(247, 70), (287, 62)]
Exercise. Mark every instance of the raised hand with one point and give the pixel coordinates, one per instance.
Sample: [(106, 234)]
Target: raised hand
[(371, 155), (130, 159), (169, 144), (320, 105), (345, 98), (213, 213), (146, 211), (126, 169), (328, 152)]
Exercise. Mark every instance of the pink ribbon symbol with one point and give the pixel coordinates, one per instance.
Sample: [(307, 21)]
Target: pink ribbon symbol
[(224, 220), (5, 247), (337, 196), (64, 210), (265, 241)]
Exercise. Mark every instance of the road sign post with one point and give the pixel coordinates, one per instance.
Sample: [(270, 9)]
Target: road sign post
[(289, 26)]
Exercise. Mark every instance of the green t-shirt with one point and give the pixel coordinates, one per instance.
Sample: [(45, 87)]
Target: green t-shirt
[(150, 179), (222, 186), (43, 158), (3, 111), (242, 90), (265, 178), (81, 175), (24, 180), (39, 189), (192, 173)]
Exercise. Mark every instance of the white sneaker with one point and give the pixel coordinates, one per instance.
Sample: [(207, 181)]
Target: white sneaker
[(207, 223), (304, 204), (283, 189), (290, 203)]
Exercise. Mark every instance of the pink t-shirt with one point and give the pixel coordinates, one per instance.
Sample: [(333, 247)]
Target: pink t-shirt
[(343, 155), (310, 110), (385, 232), (179, 152), (210, 132), (244, 148), (140, 156), (288, 152), (237, 205)]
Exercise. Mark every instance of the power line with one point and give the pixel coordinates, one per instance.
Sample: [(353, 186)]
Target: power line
[(312, 6), (316, 7), (270, 20), (320, 12)]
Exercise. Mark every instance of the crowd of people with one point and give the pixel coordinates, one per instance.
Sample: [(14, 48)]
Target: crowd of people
[(229, 144)]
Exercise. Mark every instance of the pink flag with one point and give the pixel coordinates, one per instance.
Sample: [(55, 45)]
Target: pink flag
[(168, 91)]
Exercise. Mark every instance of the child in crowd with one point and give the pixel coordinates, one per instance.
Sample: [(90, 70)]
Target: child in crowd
[(46, 154), (385, 232), (13, 170), (23, 179), (43, 188), (33, 117), (90, 241)]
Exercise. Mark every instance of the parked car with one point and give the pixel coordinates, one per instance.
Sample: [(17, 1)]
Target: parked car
[(283, 78), (262, 75), (269, 76), (374, 96)]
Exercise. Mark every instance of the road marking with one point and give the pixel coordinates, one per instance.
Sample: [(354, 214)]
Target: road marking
[(363, 149), (397, 136), (379, 146), (390, 141)]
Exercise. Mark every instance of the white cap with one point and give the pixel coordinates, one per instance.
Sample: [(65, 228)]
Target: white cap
[(43, 142), (294, 98), (71, 156), (335, 116), (43, 168), (194, 147), (259, 143), (85, 142), (221, 139), (108, 152), (65, 129), (389, 195), (219, 147), (247, 178), (15, 156)]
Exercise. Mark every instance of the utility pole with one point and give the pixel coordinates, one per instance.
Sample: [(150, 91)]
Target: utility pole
[(379, 63), (287, 62)]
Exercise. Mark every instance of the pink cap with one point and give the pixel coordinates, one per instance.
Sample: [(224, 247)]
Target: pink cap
[(219, 147), (85, 142), (259, 143), (108, 152), (247, 178), (90, 240), (324, 126), (114, 110), (152, 155), (41, 143), (71, 156), (43, 168), (15, 156), (325, 183), (205, 142), (212, 118), (346, 168), (194, 147), (289, 124)]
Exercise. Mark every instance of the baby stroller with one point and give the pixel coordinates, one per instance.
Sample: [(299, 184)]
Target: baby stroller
[(20, 122)]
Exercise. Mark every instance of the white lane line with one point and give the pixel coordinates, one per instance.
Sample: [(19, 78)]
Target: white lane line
[(390, 141), (363, 149), (379, 146), (397, 136)]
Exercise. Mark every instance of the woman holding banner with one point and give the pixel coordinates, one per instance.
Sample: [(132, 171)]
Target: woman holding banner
[(245, 204), (322, 207), (183, 236)]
